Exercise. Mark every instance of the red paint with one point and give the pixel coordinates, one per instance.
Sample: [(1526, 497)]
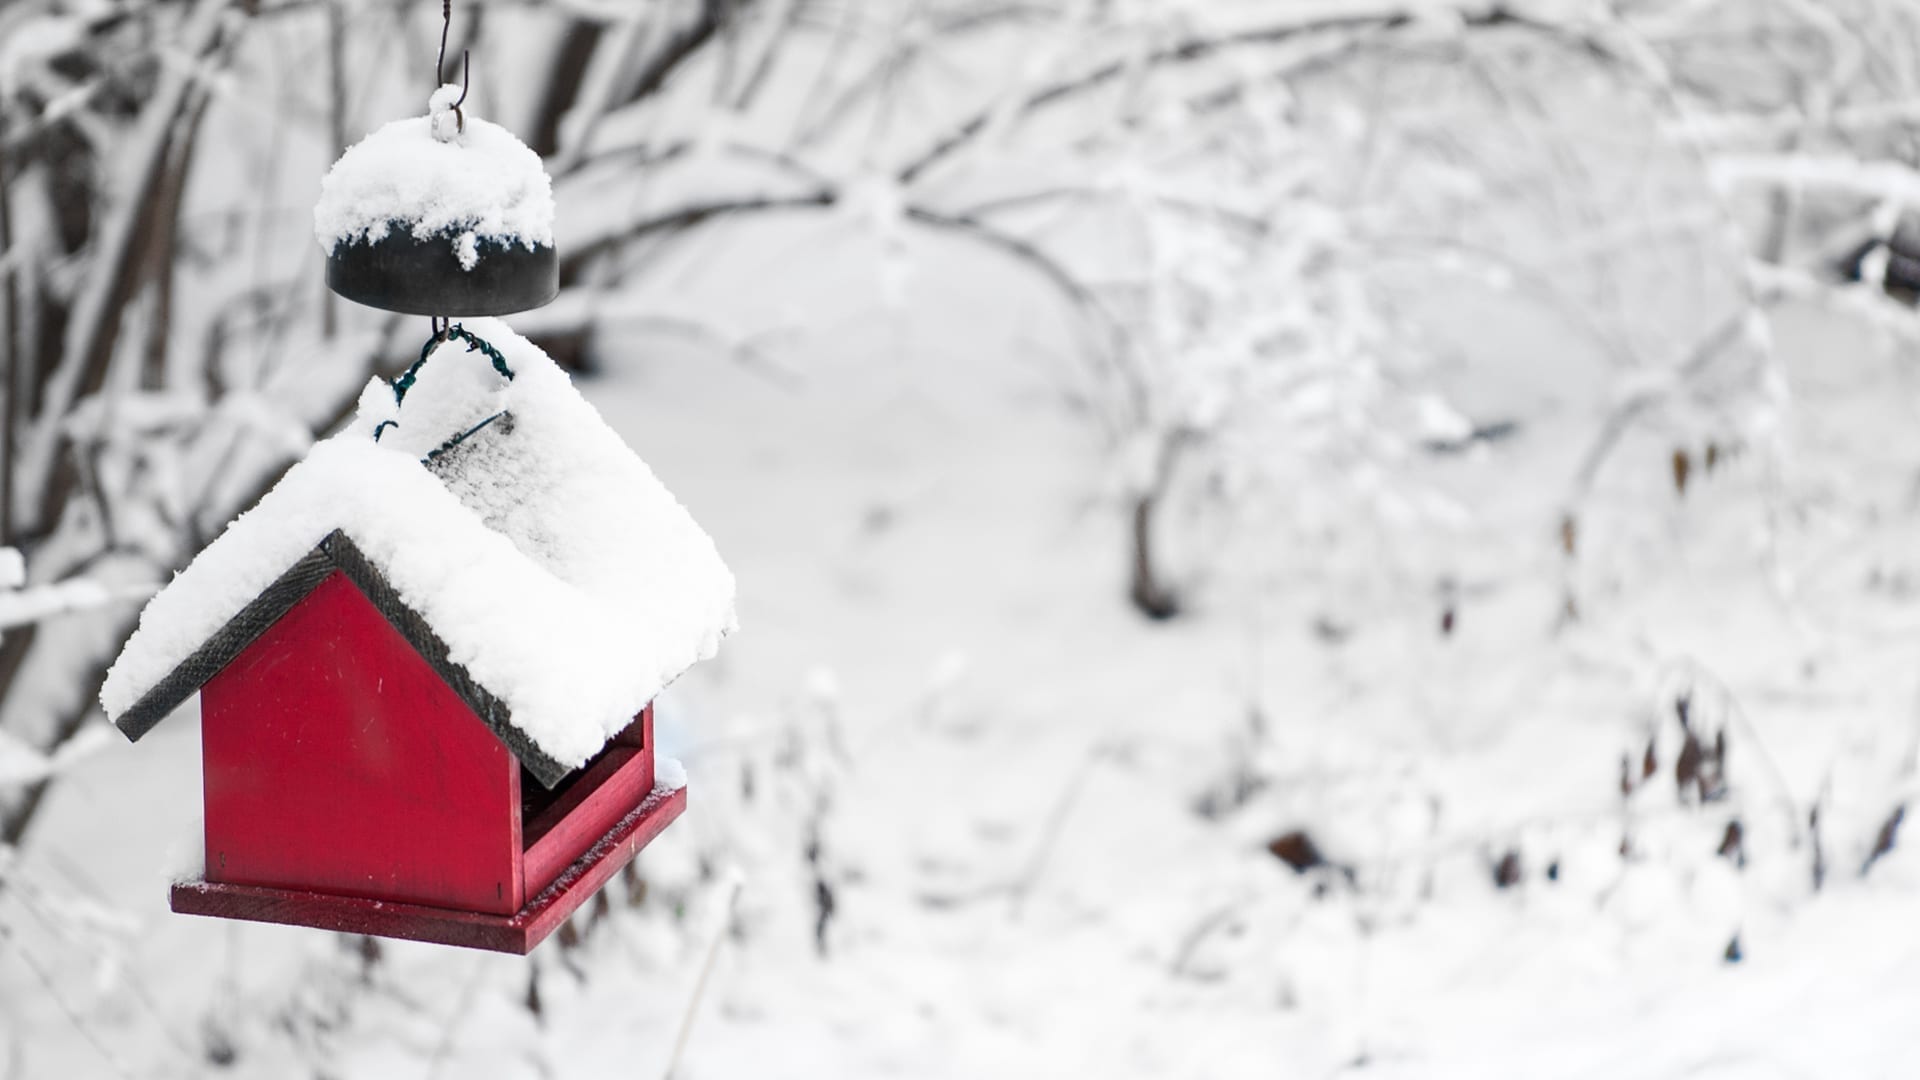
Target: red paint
[(623, 778), (606, 789), (516, 933), (337, 760), (349, 788)]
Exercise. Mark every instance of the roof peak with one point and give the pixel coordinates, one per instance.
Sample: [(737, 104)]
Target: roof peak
[(336, 553), (543, 554)]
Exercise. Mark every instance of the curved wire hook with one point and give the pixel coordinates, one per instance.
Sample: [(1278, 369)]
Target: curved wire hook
[(466, 65), (446, 23), (466, 83)]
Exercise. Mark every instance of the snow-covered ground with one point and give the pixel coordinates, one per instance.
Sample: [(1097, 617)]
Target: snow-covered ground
[(1044, 821), (1619, 801)]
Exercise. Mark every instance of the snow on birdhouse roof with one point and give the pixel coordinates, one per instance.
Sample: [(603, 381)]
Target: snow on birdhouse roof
[(468, 180), (566, 584)]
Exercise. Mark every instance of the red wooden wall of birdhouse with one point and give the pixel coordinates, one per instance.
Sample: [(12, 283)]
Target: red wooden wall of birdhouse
[(337, 760)]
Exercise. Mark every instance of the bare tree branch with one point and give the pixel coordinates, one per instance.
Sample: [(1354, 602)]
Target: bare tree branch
[(96, 319), (1196, 49)]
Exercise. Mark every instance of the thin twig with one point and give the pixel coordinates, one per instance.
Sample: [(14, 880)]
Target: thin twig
[(769, 57), (1056, 824), (35, 902), (1196, 49), (687, 217), (11, 371), (682, 48), (1191, 942), (336, 133), (1622, 418), (700, 984), (96, 317), (53, 993)]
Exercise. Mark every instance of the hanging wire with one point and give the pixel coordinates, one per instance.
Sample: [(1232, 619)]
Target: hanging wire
[(445, 330), (440, 65), (449, 332), (466, 82), (446, 23), (442, 326), (435, 453)]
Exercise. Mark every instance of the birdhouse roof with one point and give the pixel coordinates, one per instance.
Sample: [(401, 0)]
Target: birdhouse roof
[(503, 528)]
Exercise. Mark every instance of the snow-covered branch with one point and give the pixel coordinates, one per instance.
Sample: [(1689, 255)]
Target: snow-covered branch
[(96, 316), (34, 603), (1301, 21), (1878, 180)]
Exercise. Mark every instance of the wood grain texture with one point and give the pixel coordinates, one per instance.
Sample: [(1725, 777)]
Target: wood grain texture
[(336, 552), (519, 932), (217, 651), (337, 760), (427, 643), (542, 807), (611, 789)]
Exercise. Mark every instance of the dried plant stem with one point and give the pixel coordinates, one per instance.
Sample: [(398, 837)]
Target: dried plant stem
[(700, 984)]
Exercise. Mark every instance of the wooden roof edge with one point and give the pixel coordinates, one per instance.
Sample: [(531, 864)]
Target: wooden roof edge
[(412, 626), (228, 642), (335, 551)]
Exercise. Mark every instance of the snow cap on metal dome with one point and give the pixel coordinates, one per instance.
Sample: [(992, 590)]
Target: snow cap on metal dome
[(444, 214)]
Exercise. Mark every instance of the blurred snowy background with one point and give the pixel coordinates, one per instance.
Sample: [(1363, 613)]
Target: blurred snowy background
[(1276, 537)]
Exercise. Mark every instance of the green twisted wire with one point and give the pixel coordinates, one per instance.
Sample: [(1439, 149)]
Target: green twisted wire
[(475, 343)]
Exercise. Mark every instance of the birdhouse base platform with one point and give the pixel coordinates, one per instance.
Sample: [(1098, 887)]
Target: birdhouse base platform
[(516, 933)]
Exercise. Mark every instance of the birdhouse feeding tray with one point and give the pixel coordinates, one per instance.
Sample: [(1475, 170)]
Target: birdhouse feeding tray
[(426, 661)]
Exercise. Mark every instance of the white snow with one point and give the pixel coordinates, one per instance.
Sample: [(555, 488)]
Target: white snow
[(947, 713), (34, 42), (466, 248), (23, 763), (442, 118), (13, 568), (479, 186), (559, 571), (25, 606), (669, 774)]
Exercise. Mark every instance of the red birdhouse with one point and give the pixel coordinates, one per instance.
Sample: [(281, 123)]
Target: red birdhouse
[(426, 661)]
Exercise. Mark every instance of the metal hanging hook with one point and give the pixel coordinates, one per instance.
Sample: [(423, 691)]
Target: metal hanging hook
[(466, 82), (442, 326), (446, 23), (466, 65)]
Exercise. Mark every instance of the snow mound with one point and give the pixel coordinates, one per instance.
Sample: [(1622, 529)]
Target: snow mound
[(560, 573), (669, 774), (475, 184)]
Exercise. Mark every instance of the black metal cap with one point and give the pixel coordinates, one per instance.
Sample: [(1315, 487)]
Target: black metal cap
[(424, 277)]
